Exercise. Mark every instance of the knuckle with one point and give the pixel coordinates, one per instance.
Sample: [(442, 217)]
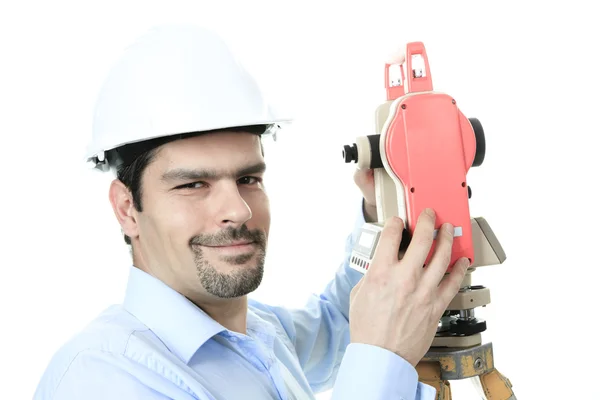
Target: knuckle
[(423, 240), (446, 257), (408, 285), (392, 228), (424, 298), (445, 237), (427, 215), (448, 233)]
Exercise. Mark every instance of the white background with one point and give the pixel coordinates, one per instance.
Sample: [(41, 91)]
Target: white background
[(527, 70)]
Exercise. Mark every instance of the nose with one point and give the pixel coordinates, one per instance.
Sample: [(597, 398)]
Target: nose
[(232, 208)]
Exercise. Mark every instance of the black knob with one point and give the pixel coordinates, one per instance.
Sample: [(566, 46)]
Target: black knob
[(467, 327), (479, 140), (350, 153), (469, 190)]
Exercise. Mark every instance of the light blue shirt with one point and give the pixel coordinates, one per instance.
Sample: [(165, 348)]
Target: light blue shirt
[(158, 345)]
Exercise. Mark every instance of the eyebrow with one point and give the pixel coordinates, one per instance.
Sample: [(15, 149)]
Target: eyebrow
[(185, 174)]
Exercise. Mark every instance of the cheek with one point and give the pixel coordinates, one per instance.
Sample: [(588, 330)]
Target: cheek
[(180, 219), (259, 204)]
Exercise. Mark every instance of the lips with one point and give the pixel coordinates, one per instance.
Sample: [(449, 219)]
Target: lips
[(234, 244)]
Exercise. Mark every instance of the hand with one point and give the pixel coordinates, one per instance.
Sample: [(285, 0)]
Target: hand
[(397, 305), (365, 180)]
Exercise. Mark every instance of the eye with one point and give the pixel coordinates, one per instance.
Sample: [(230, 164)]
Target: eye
[(249, 180), (193, 185)]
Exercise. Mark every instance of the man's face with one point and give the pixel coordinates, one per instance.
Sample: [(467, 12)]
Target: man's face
[(205, 218)]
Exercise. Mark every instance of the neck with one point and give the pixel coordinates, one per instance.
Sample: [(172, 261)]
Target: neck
[(231, 313)]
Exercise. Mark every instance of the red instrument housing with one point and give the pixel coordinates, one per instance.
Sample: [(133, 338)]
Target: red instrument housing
[(429, 145)]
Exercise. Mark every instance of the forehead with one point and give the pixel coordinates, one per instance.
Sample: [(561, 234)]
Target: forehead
[(211, 149)]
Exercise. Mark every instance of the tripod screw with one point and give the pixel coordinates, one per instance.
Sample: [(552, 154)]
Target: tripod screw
[(478, 363)]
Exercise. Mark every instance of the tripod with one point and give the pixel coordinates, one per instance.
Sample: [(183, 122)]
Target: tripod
[(439, 367)]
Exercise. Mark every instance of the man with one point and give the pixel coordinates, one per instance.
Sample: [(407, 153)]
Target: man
[(180, 121)]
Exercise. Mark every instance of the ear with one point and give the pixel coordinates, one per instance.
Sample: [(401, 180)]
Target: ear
[(122, 204)]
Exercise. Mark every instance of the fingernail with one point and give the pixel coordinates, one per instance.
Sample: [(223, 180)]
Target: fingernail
[(430, 212), (449, 228)]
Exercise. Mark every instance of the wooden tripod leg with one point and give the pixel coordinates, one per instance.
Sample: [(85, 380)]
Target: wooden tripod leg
[(430, 373), (496, 386)]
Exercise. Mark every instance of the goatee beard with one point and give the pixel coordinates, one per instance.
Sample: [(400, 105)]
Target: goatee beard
[(240, 281)]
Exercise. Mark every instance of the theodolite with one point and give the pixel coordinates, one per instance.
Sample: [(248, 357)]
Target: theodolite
[(421, 153)]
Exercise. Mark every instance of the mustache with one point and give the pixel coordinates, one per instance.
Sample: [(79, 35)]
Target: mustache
[(228, 236)]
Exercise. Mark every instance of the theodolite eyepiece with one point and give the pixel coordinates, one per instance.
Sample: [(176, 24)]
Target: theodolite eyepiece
[(350, 153), (365, 152)]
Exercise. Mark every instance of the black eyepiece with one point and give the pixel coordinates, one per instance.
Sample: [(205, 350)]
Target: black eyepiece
[(350, 153)]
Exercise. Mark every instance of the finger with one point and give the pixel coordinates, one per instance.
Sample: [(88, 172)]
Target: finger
[(451, 283), (363, 175), (386, 252), (442, 255), (421, 241)]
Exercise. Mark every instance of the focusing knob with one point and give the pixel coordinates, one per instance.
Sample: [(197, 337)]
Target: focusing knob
[(350, 153), (467, 327), (479, 142)]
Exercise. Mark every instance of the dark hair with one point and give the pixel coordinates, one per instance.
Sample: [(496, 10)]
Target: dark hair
[(133, 159)]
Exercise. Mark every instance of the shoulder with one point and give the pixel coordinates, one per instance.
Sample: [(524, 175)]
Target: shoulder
[(110, 332), (114, 343)]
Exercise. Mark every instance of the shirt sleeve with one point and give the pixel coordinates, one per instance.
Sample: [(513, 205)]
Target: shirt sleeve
[(374, 373), (319, 332)]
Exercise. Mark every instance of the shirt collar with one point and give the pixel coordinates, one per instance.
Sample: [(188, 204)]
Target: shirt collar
[(180, 324)]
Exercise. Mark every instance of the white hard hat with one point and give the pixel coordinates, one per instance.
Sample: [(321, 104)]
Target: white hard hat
[(175, 79)]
